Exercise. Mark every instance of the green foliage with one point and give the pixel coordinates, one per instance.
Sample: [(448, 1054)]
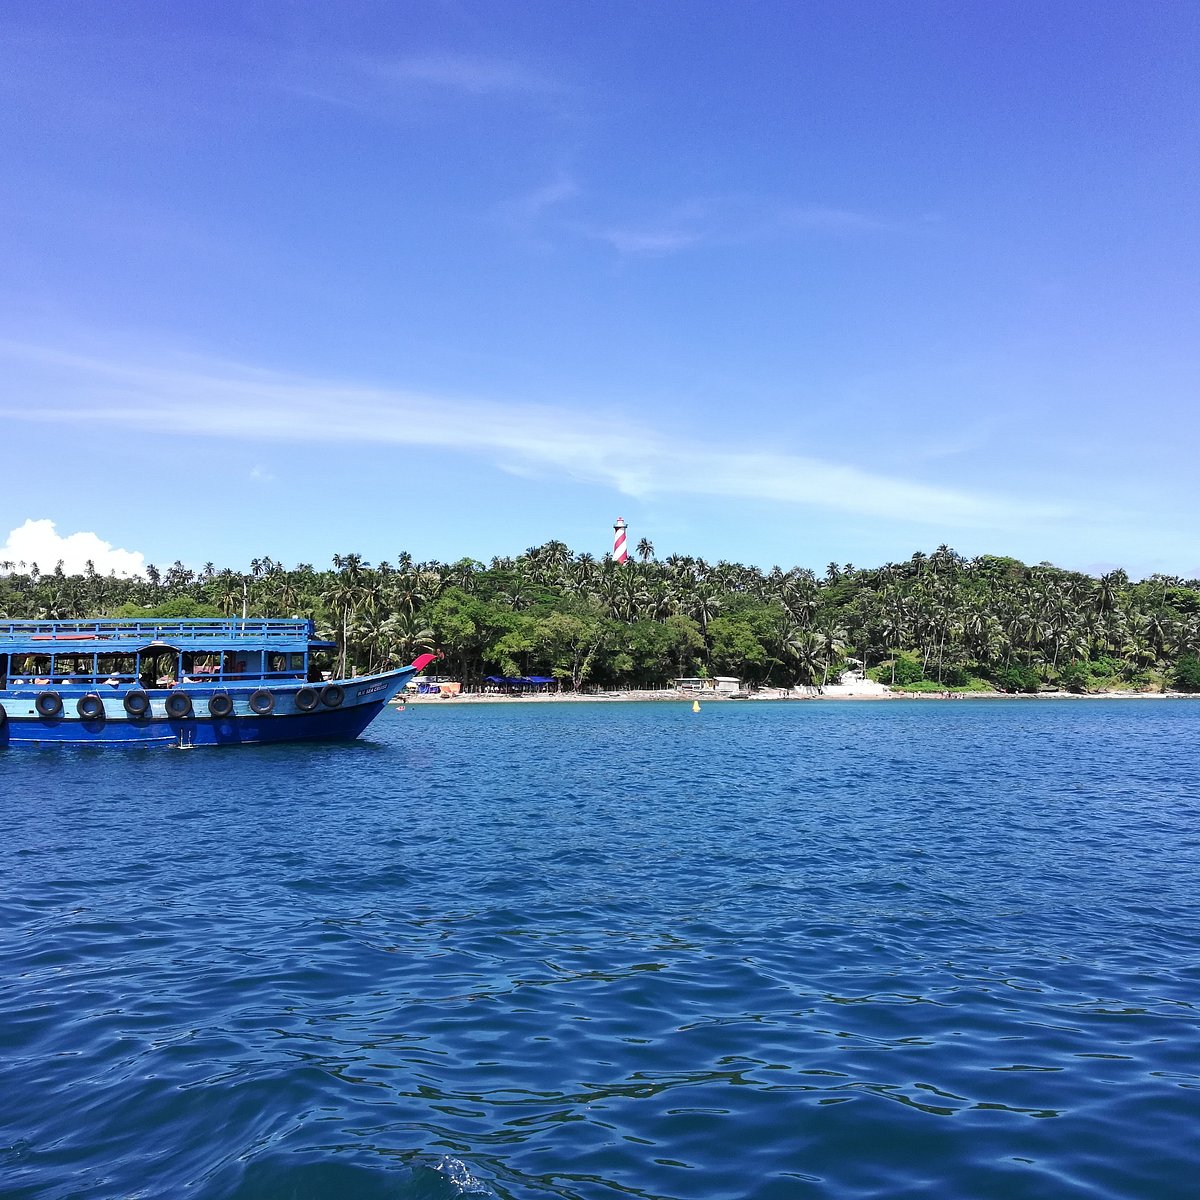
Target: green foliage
[(905, 668), (1186, 675), (975, 684), (512, 650), (659, 651), (735, 648), (1095, 675), (1140, 680), (999, 570), (932, 687), (1017, 678), (570, 642), (936, 620), (177, 608), (1075, 677), (957, 676)]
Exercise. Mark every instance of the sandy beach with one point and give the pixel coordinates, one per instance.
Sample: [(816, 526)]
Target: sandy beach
[(840, 692)]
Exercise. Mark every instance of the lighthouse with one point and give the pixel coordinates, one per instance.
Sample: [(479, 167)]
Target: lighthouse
[(620, 551)]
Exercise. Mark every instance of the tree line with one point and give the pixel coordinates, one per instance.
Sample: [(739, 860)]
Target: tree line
[(933, 621)]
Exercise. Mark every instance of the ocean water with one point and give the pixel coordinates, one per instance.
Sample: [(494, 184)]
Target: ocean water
[(902, 949)]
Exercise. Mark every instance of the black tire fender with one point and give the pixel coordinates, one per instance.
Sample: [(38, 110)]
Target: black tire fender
[(137, 703), (90, 707), (307, 699), (332, 695), (262, 702), (220, 705), (48, 704), (179, 705)]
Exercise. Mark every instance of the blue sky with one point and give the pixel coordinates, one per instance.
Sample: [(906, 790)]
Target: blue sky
[(777, 282)]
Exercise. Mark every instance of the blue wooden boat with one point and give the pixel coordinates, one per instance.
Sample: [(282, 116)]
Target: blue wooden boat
[(179, 683)]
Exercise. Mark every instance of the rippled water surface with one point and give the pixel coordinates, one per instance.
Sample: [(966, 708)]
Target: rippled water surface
[(811, 950)]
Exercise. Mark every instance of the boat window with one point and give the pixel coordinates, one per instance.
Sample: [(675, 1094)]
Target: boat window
[(159, 668), (199, 668), (113, 667), (235, 663), (31, 668), (72, 668)]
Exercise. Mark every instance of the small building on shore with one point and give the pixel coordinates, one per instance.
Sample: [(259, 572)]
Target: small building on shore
[(722, 685)]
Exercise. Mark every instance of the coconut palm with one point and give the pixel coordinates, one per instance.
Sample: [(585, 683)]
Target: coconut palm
[(832, 643)]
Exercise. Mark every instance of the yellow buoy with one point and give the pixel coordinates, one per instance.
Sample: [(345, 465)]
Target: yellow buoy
[(695, 706)]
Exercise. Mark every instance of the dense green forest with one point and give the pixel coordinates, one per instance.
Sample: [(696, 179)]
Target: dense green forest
[(933, 621)]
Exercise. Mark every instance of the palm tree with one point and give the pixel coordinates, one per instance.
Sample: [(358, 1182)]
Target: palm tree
[(342, 595), (705, 603), (408, 637), (832, 641), (896, 621), (806, 652), (990, 611), (227, 591), (1108, 590)]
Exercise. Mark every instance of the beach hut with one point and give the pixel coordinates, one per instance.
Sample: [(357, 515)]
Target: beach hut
[(721, 685)]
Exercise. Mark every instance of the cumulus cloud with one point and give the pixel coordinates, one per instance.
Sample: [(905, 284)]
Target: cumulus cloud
[(40, 542)]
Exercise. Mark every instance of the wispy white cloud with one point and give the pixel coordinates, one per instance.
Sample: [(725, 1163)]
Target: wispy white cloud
[(378, 82), (727, 220), (199, 397), (820, 218), (38, 541), (649, 241), (459, 72), (560, 189), (527, 214)]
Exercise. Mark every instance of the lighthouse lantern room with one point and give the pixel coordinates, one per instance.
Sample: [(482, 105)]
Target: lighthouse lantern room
[(620, 551)]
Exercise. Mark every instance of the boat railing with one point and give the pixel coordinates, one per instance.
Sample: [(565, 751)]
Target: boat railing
[(126, 679), (157, 629)]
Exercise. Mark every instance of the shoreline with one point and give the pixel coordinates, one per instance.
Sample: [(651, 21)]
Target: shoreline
[(837, 693)]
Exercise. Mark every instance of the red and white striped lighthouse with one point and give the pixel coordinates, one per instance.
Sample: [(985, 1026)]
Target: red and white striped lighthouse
[(620, 552)]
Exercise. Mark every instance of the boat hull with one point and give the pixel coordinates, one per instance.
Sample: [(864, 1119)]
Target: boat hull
[(363, 700)]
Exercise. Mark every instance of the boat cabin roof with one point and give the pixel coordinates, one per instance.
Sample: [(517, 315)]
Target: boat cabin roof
[(279, 635)]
